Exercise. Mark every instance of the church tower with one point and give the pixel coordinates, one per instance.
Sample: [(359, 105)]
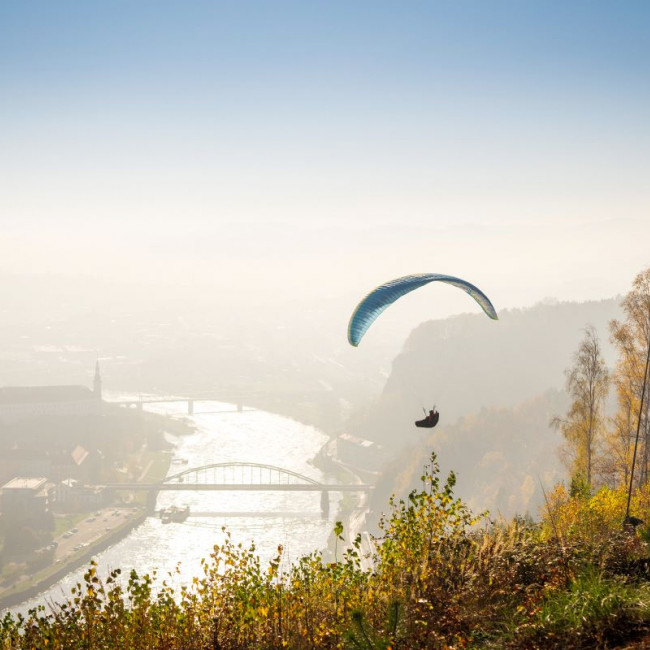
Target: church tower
[(97, 383)]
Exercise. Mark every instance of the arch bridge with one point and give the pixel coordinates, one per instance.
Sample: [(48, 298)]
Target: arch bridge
[(226, 403), (241, 476), (238, 474)]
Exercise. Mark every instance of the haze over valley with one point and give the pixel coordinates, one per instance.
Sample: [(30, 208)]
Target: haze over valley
[(324, 324)]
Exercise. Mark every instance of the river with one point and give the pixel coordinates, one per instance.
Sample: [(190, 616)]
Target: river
[(268, 519)]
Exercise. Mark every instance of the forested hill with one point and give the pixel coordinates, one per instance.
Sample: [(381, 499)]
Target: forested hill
[(503, 458), (468, 362), (497, 385)]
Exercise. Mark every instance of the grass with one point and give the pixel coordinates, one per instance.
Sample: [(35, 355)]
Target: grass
[(595, 606), (63, 523)]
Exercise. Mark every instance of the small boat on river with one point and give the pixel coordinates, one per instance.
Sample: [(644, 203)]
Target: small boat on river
[(174, 514)]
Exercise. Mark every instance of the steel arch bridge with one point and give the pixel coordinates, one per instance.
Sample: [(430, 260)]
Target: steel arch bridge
[(240, 476), (237, 473)]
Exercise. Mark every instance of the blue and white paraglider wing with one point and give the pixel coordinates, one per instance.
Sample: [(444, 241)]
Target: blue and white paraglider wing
[(385, 295)]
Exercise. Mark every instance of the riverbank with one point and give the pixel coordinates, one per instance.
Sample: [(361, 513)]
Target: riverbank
[(44, 579), (353, 508)]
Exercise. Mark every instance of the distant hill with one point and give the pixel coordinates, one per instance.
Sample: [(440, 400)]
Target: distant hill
[(497, 386), (466, 363)]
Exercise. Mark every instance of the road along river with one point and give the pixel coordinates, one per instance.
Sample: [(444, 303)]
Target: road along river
[(223, 435)]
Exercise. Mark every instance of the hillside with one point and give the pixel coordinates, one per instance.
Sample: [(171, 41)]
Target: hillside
[(497, 386), (504, 458), (466, 363)]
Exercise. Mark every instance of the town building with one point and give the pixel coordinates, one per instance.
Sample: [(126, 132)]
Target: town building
[(25, 498), (359, 452), (72, 496), (24, 462), (19, 403), (80, 464)]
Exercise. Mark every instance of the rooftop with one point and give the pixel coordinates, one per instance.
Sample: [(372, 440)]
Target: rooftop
[(361, 442), (47, 394), (25, 483), (79, 454)]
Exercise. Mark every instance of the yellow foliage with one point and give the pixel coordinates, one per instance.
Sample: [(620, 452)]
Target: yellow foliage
[(570, 517)]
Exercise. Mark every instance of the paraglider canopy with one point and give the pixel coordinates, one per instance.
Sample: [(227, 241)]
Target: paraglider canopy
[(385, 295)]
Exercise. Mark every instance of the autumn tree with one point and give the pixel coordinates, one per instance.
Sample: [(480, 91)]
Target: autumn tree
[(587, 382), (632, 339), (619, 443)]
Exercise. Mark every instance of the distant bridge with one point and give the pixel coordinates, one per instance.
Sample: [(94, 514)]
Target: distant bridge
[(139, 403), (236, 398)]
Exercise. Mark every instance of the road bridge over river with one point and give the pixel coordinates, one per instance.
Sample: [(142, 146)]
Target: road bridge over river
[(243, 477), (226, 401)]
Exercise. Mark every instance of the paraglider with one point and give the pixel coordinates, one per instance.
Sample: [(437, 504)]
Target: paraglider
[(430, 421), (385, 295), (378, 300)]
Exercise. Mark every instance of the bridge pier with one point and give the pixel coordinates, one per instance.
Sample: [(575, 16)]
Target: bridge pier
[(152, 495), (190, 407), (324, 503)]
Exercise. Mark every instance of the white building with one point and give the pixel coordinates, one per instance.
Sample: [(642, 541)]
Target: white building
[(25, 497)]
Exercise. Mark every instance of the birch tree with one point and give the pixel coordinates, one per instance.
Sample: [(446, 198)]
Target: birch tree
[(587, 382)]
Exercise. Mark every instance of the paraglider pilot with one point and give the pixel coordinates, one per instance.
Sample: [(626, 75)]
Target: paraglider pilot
[(430, 421)]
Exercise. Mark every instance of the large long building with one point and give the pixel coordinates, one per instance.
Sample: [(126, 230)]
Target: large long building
[(27, 402)]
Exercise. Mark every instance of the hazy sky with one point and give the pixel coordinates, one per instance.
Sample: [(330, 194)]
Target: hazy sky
[(327, 146)]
